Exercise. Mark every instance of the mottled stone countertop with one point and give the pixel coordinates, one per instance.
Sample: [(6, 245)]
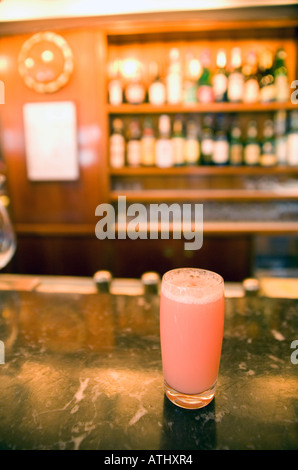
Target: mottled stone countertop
[(84, 372)]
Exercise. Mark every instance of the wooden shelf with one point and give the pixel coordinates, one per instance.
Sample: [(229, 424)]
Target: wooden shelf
[(203, 184), (147, 108), (235, 227), (250, 227), (215, 227), (41, 229), (158, 195), (203, 170)]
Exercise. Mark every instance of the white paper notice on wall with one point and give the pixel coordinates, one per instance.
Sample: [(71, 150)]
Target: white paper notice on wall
[(51, 141)]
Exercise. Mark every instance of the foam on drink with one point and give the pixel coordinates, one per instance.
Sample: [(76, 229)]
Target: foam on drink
[(192, 286)]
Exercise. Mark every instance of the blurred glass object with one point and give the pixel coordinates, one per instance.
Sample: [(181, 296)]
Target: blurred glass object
[(7, 234)]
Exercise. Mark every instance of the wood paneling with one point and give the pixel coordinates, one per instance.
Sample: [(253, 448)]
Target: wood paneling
[(83, 256), (57, 202)]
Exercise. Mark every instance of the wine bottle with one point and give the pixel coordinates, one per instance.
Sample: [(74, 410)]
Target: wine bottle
[(174, 78), (251, 90), (236, 144), (267, 84), (157, 89), (192, 145), (293, 139), (207, 140), (252, 148), (205, 89), (134, 143), (281, 76), (192, 73), (148, 143), (115, 86), (236, 77), (164, 145), (178, 141), (220, 154), (117, 144), (281, 138), (268, 156), (135, 92), (220, 78)]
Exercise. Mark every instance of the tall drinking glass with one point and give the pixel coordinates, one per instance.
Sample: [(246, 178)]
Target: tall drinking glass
[(191, 332)]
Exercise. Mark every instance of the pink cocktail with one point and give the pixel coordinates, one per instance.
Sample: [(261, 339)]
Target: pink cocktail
[(191, 330)]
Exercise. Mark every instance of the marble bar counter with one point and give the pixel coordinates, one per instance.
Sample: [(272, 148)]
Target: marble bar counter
[(83, 371)]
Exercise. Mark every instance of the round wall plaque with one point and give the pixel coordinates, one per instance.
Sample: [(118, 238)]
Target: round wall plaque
[(45, 62)]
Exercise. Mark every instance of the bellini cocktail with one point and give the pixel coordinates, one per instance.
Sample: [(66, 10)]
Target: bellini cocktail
[(191, 331)]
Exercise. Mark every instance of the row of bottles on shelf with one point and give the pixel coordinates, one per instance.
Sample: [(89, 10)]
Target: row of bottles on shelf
[(216, 142), (259, 78)]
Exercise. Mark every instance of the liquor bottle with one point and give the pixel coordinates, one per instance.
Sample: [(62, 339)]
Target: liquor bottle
[(251, 90), (220, 78), (281, 76), (192, 145), (236, 77), (115, 86), (157, 89), (220, 154), (178, 141), (268, 156), (133, 145), (205, 89), (174, 78), (293, 139), (236, 144), (207, 140), (148, 143), (164, 147), (192, 73), (135, 92), (267, 84), (252, 148), (117, 144), (281, 138)]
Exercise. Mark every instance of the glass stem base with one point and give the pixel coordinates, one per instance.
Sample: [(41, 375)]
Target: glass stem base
[(190, 402)]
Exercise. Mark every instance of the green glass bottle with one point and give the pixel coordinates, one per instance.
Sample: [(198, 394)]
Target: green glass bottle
[(268, 155), (220, 155), (236, 144), (281, 76), (267, 82), (252, 148), (220, 78), (293, 139), (205, 88), (207, 140)]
